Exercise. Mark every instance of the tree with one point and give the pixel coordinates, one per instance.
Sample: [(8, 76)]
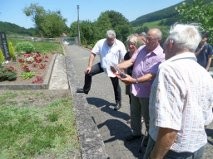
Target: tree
[(93, 31), (102, 25), (47, 23), (54, 25), (88, 33), (114, 20), (74, 29), (37, 13), (198, 11)]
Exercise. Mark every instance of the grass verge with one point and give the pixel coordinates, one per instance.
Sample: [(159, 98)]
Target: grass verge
[(41, 46), (45, 131)]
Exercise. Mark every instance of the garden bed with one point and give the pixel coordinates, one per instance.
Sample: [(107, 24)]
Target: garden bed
[(42, 73)]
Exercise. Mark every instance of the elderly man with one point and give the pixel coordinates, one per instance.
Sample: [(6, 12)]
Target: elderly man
[(145, 64), (111, 50), (181, 100)]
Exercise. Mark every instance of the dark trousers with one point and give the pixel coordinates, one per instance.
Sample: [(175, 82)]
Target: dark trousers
[(96, 69)]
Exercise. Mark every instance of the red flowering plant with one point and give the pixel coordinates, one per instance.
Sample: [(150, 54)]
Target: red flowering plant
[(30, 62)]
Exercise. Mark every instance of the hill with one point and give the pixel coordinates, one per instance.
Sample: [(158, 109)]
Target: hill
[(10, 28), (167, 13), (166, 16)]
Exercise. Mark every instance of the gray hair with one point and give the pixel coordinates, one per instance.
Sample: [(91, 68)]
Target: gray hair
[(133, 38), (184, 36), (110, 34)]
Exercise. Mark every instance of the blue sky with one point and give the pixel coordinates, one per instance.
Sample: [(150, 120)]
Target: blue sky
[(12, 10)]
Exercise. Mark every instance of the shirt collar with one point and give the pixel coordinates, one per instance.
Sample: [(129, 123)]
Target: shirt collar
[(115, 42), (157, 50), (185, 55)]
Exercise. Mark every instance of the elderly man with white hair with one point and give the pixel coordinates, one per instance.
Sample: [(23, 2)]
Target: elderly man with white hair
[(111, 51), (181, 99)]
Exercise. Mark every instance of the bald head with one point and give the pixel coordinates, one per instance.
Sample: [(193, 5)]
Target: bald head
[(153, 37), (155, 33)]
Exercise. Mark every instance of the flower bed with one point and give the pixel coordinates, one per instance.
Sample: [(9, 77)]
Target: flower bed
[(31, 68)]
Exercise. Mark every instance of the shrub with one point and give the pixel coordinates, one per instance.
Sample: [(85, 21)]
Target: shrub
[(1, 57), (25, 47), (12, 51), (7, 74)]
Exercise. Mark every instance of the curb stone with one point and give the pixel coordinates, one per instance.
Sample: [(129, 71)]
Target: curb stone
[(91, 142)]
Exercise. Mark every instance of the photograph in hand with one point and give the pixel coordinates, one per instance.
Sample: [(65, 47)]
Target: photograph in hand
[(115, 70)]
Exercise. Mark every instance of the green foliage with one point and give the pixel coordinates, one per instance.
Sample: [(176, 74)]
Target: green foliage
[(102, 25), (10, 28), (12, 51), (25, 47), (47, 47), (7, 74), (199, 11), (155, 24), (53, 25), (158, 15), (41, 46), (116, 21), (48, 23), (73, 31), (87, 32), (27, 75), (2, 59), (91, 32)]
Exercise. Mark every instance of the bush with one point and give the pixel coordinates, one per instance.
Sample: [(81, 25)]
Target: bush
[(7, 74), (12, 51), (1, 57), (25, 47)]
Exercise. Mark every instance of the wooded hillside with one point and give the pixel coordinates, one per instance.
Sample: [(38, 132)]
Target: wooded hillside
[(11, 28)]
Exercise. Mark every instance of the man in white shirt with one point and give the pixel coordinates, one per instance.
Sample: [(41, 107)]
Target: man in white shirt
[(181, 100), (111, 51)]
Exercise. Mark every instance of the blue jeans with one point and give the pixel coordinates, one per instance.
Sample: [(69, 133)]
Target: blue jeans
[(172, 154)]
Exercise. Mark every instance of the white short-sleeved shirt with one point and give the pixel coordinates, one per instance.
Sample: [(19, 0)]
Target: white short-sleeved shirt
[(109, 54), (182, 99)]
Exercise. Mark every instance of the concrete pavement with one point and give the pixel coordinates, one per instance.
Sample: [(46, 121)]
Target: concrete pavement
[(101, 129)]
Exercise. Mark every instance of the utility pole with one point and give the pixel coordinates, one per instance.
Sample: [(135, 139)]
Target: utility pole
[(79, 36)]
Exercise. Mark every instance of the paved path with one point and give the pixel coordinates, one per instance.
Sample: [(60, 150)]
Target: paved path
[(111, 124)]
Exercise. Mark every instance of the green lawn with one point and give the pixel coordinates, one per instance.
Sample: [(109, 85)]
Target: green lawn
[(36, 131), (41, 46)]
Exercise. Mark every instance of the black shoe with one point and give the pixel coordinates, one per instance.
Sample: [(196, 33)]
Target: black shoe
[(117, 106), (81, 90), (132, 137)]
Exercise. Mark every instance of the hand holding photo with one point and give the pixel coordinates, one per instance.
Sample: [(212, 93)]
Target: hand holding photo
[(116, 70)]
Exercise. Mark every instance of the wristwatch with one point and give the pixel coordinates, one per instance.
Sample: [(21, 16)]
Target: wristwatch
[(136, 81)]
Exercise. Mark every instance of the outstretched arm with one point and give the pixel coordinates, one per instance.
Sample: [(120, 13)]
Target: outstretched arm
[(125, 64), (90, 63)]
